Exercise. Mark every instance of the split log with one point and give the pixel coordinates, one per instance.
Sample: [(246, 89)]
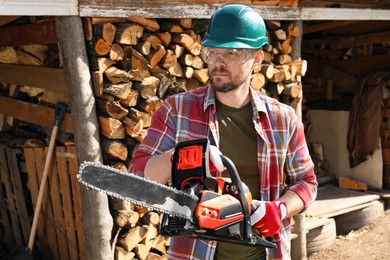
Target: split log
[(145, 117), (176, 70), (139, 75), (112, 108), (115, 75), (117, 204), (119, 165), (8, 55), (258, 81), (101, 64), (171, 27), (153, 39), (131, 99), (148, 87), (197, 63), (138, 61), (186, 59), (149, 24), (99, 47), (111, 128), (126, 218), (301, 67), (188, 72), (122, 254), (133, 125), (150, 218), (202, 75), (278, 35), (274, 89), (120, 91), (178, 49), (39, 51), (143, 47), (159, 244), (282, 59), (292, 90), (106, 31), (268, 70), (116, 52), (169, 59), (128, 33), (165, 84), (278, 75), (115, 148), (165, 37), (132, 238), (156, 54)]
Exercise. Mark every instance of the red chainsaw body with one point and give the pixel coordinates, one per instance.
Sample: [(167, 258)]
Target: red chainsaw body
[(223, 210)]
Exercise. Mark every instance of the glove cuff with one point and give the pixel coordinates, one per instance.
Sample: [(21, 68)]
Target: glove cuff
[(282, 207)]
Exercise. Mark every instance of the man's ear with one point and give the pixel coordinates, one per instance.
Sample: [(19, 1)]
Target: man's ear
[(258, 58)]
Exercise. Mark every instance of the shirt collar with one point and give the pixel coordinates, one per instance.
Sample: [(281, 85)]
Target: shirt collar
[(255, 97)]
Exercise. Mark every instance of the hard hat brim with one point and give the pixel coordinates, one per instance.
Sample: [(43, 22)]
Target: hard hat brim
[(231, 44)]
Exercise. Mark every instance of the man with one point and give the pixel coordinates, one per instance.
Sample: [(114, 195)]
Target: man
[(264, 138)]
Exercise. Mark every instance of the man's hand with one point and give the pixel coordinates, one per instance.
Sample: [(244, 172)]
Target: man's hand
[(215, 159), (268, 216)]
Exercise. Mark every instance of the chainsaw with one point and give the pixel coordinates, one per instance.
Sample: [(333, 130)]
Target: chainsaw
[(196, 205)]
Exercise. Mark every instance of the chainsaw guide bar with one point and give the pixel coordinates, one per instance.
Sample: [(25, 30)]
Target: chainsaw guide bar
[(137, 190)]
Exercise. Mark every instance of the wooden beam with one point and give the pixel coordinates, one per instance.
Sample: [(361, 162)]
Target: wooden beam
[(33, 76), (36, 33), (32, 113), (7, 19), (164, 9), (39, 7), (361, 66), (361, 40), (326, 26)]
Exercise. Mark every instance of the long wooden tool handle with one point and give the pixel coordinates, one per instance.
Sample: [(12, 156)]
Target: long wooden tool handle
[(42, 188), (59, 114)]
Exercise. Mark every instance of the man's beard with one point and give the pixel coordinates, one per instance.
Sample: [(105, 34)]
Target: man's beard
[(226, 87)]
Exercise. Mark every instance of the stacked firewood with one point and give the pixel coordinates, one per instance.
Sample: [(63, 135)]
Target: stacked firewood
[(136, 63), (136, 232)]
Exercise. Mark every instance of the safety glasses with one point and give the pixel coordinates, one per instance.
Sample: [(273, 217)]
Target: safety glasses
[(228, 56)]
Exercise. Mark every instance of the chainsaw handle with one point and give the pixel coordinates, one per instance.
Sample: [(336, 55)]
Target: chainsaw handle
[(235, 177)]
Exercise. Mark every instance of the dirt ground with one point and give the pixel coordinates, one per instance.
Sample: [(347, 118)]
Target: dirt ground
[(370, 242)]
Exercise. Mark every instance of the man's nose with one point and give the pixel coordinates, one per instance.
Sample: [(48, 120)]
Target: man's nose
[(219, 60)]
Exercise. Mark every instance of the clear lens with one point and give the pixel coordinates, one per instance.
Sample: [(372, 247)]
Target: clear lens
[(228, 56)]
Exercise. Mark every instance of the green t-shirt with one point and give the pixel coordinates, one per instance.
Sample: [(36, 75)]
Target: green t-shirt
[(238, 142)]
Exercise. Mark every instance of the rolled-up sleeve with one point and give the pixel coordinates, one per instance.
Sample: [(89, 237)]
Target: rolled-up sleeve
[(160, 137), (299, 166)]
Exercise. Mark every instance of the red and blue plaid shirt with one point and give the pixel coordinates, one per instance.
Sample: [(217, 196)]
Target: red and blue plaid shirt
[(284, 162)]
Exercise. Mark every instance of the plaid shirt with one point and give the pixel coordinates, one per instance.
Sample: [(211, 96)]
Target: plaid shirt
[(283, 158)]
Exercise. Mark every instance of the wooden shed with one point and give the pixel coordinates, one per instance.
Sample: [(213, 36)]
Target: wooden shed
[(113, 62)]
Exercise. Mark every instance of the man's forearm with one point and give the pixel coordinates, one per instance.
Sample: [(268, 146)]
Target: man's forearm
[(158, 168), (293, 202)]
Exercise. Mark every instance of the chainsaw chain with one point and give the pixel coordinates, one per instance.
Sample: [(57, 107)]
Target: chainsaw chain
[(136, 202)]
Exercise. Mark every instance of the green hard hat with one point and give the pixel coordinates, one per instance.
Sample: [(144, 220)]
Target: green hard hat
[(236, 26)]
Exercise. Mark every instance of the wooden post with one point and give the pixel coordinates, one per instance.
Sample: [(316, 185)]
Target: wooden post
[(296, 55), (96, 218), (299, 244)]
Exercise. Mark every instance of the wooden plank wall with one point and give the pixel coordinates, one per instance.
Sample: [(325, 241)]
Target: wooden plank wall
[(14, 218), (59, 233)]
